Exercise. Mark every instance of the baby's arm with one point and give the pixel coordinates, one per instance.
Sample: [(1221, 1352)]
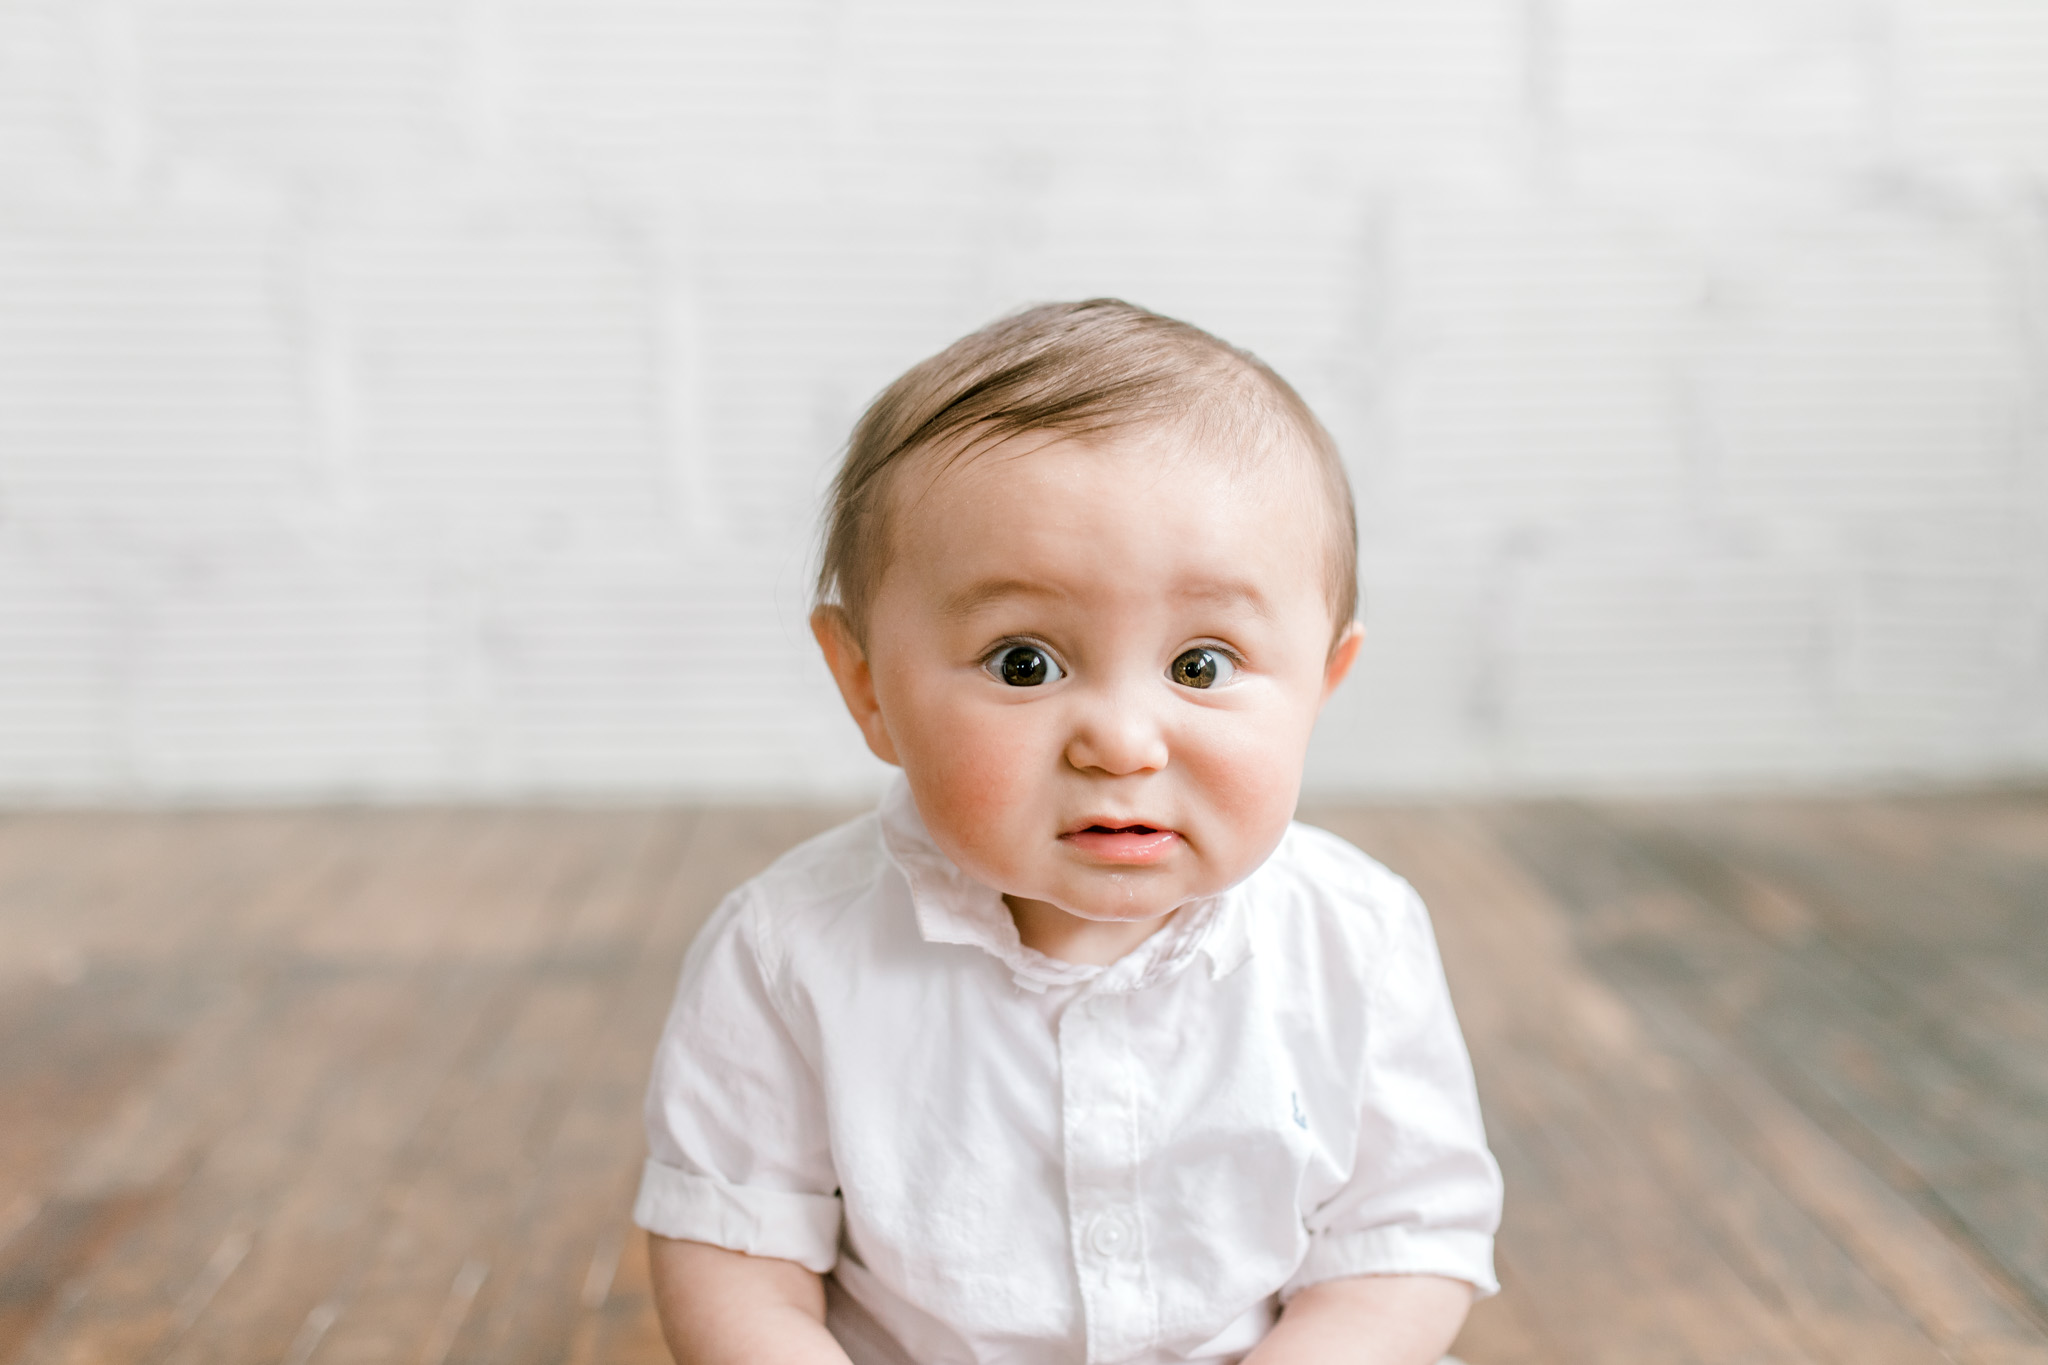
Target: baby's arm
[(1368, 1320), (722, 1307)]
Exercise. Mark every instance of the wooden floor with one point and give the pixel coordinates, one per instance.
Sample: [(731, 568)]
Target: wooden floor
[(1769, 1082)]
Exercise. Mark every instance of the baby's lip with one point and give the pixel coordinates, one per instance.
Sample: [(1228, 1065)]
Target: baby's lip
[(1116, 840), (1116, 824)]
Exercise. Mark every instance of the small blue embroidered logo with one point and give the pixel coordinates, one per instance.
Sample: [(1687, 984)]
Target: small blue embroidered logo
[(1300, 1119)]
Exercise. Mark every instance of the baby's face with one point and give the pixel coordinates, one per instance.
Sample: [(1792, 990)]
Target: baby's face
[(1098, 663)]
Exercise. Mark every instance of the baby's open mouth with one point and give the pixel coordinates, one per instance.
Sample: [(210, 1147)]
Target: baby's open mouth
[(1133, 843)]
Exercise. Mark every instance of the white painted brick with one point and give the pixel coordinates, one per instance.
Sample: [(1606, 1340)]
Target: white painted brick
[(288, 89), (1930, 668), (1337, 90), (1613, 660), (1422, 710), (48, 122), (656, 96), (271, 657), (146, 370), (501, 375), (1076, 85), (1776, 83), (622, 674), (433, 398), (1539, 369), (1974, 100), (63, 689), (1875, 362)]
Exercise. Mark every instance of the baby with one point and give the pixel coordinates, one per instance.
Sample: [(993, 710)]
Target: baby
[(1077, 1049)]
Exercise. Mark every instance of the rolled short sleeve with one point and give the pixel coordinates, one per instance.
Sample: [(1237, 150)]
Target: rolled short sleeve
[(1424, 1195), (738, 1150)]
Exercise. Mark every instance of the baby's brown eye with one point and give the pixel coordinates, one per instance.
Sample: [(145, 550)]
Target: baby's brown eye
[(1023, 666), (1201, 668)]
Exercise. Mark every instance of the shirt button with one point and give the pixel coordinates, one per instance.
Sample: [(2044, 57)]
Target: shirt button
[(1111, 1236)]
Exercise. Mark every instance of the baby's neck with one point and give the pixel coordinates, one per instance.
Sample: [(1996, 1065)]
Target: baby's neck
[(1070, 938)]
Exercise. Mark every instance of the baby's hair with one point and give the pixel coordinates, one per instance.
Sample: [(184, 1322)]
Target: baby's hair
[(1075, 369)]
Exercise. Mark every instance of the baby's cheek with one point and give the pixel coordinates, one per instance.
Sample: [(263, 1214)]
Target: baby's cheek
[(975, 788), (1254, 777)]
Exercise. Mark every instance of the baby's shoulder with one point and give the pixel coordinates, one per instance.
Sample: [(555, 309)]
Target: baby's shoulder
[(1326, 889), (811, 889)]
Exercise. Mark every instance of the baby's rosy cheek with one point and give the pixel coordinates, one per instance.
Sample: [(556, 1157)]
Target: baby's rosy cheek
[(1254, 777), (977, 775)]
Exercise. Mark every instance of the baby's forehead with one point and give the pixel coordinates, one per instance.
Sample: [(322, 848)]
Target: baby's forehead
[(1238, 469), (1059, 500)]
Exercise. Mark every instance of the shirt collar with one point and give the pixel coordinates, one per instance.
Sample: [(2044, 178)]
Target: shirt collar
[(952, 907)]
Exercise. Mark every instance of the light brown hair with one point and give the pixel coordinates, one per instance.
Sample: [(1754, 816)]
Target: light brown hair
[(1077, 369)]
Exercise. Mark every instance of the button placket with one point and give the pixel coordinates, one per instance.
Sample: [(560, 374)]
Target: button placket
[(1100, 1111)]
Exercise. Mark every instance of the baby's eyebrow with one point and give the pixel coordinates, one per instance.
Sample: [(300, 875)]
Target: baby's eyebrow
[(973, 596), (1228, 592)]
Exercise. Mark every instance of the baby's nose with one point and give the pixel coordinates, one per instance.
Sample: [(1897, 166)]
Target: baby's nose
[(1118, 737)]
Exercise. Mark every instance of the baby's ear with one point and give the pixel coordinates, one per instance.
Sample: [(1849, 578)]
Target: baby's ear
[(849, 665), (1343, 654)]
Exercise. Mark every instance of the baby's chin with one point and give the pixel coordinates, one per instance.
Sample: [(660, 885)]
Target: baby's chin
[(1129, 900)]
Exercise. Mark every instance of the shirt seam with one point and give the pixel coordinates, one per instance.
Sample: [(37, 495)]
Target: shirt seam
[(772, 953)]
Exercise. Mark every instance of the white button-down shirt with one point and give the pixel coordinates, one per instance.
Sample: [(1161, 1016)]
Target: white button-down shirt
[(1000, 1156)]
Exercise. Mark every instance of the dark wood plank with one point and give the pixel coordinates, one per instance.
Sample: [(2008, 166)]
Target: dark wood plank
[(451, 1189), (260, 1086), (125, 916), (1768, 1079), (1851, 1047)]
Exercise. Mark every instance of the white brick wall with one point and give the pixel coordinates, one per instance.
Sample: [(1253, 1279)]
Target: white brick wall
[(412, 397)]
